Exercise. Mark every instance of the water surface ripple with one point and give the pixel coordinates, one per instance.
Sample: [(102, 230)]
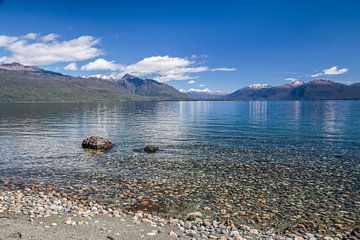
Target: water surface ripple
[(282, 164)]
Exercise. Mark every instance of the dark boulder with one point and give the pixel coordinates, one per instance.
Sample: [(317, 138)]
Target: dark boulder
[(151, 149), (95, 142)]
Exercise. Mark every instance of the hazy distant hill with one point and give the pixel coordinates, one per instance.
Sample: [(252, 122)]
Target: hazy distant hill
[(20, 83), (204, 94), (297, 90), (31, 84), (149, 87)]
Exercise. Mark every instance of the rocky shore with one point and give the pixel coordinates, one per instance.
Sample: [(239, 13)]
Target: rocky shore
[(308, 196), (39, 205)]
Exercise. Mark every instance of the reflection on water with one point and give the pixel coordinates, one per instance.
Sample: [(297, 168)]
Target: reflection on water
[(258, 112), (289, 154), (333, 123), (35, 132)]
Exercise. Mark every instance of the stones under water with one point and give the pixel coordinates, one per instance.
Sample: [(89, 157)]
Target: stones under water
[(98, 143), (151, 149)]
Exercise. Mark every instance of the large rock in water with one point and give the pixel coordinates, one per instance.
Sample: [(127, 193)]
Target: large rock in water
[(95, 142), (151, 149)]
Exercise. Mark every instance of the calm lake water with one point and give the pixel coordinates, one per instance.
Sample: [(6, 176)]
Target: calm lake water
[(309, 145), (40, 134)]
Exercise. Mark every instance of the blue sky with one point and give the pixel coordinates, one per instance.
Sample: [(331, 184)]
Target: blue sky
[(221, 45)]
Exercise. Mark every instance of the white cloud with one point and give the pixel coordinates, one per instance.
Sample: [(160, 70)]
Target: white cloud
[(291, 79), (331, 71), (101, 64), (112, 76), (223, 69), (157, 64), (161, 68), (29, 50), (71, 67), (191, 82), (6, 40), (30, 36), (172, 77), (50, 37), (202, 85)]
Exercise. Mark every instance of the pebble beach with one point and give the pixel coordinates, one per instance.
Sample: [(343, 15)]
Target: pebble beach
[(209, 174), (211, 201)]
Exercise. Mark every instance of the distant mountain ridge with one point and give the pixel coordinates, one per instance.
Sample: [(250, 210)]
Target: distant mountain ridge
[(18, 67), (204, 94), (297, 90), (149, 87), (19, 83)]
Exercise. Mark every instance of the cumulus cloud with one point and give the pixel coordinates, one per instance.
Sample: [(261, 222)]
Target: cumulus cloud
[(32, 50), (6, 40), (71, 67), (223, 69), (113, 76), (331, 71), (161, 68), (291, 79), (191, 82), (50, 37), (30, 36), (101, 64)]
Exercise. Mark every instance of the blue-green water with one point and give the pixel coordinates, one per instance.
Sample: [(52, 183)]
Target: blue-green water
[(40, 133), (270, 150)]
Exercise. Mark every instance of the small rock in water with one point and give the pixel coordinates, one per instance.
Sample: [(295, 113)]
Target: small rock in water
[(95, 142), (151, 149)]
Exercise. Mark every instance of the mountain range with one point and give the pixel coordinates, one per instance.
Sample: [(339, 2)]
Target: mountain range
[(19, 83), (149, 87), (298, 90), (204, 94)]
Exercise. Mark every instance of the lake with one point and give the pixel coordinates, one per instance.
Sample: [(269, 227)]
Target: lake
[(270, 163)]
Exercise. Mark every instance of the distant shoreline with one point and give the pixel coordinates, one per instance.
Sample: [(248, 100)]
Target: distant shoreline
[(190, 100)]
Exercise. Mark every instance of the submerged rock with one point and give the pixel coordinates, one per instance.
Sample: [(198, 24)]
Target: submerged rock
[(151, 149), (95, 142)]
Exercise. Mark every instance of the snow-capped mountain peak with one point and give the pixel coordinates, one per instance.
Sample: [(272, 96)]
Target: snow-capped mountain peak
[(297, 83), (259, 86), (205, 90), (205, 93)]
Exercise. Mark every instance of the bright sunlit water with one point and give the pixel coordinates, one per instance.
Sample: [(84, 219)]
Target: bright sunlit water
[(37, 135), (300, 159)]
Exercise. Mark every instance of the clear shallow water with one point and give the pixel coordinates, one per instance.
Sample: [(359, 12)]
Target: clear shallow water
[(42, 133), (254, 150)]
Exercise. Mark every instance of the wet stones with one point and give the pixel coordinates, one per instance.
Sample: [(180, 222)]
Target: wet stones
[(151, 149), (193, 215), (355, 234), (97, 143)]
